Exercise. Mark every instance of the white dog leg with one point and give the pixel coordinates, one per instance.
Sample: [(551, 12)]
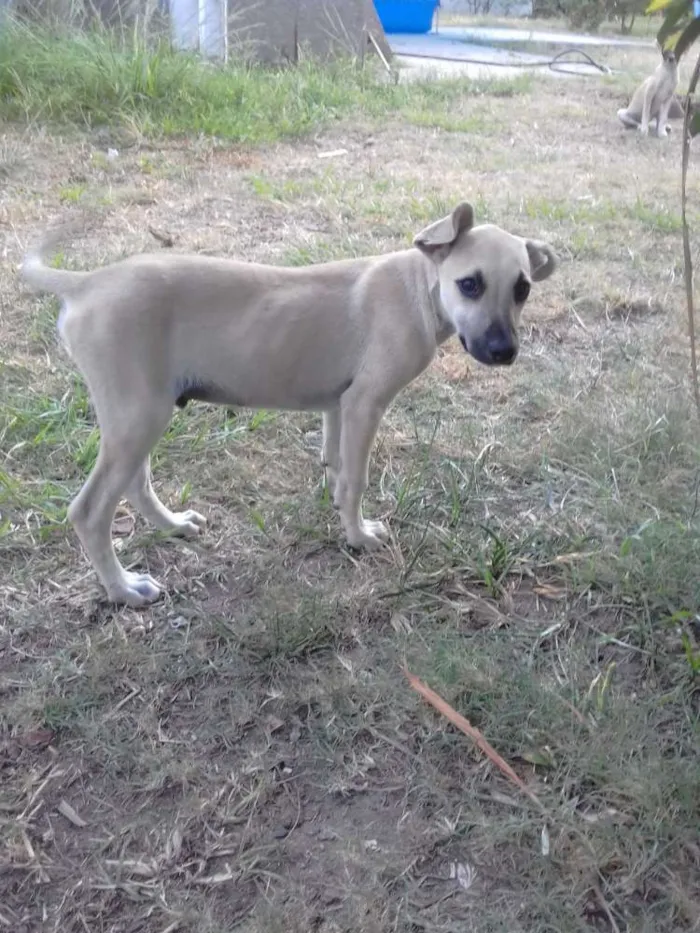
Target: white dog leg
[(662, 120), (360, 420), (628, 119), (330, 456), (91, 514), (127, 435), (142, 496), (646, 113)]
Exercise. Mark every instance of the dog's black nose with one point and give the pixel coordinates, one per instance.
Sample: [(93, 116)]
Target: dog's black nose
[(500, 345), (504, 355)]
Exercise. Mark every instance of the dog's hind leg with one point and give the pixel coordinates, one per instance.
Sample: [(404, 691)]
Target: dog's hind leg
[(360, 420), (628, 119), (330, 457), (127, 436), (142, 496)]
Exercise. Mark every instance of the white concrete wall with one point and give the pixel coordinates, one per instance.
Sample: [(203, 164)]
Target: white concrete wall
[(200, 24), (213, 16), (275, 30), (184, 16)]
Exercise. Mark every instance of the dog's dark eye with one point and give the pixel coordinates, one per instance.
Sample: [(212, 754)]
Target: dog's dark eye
[(521, 290), (472, 287)]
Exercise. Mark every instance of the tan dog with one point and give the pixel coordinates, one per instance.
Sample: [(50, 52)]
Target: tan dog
[(654, 99), (154, 331)]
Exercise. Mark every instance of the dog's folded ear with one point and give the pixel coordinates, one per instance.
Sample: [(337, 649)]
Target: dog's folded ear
[(542, 259), (442, 234)]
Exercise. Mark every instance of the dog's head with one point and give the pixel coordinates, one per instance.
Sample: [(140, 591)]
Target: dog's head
[(484, 276), (668, 55)]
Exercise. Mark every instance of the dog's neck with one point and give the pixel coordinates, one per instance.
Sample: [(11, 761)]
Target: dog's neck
[(444, 328), (669, 69)]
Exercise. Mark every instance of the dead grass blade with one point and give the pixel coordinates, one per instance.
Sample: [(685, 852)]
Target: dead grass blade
[(463, 724), (65, 809)]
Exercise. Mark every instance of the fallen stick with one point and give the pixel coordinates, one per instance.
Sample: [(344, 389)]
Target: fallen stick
[(379, 52), (468, 729)]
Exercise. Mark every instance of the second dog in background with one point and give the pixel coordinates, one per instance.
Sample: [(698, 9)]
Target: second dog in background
[(654, 99)]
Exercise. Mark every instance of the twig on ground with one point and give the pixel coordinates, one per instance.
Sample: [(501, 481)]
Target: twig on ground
[(468, 729), (606, 909)]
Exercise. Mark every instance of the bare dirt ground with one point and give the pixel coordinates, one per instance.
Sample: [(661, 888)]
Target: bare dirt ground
[(247, 754)]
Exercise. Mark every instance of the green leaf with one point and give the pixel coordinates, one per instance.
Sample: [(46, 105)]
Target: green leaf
[(690, 34), (695, 124), (692, 656), (539, 756), (657, 5), (672, 39), (678, 10)]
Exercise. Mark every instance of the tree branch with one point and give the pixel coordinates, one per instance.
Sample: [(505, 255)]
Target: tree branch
[(687, 259)]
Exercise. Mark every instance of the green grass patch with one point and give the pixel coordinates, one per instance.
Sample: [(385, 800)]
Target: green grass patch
[(249, 745), (95, 78), (657, 217)]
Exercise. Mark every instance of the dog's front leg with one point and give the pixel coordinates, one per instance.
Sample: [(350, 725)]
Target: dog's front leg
[(360, 419), (646, 112), (662, 119), (330, 457)]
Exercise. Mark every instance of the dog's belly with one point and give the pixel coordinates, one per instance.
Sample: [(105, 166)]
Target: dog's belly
[(292, 363), (203, 390)]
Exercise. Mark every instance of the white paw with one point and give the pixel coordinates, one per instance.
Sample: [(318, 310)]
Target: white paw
[(378, 529), (187, 524), (370, 536), (644, 130), (135, 590)]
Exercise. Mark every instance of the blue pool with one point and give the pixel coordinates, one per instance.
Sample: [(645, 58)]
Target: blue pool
[(414, 16)]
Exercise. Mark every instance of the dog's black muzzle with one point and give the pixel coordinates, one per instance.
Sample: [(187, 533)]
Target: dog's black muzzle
[(495, 347)]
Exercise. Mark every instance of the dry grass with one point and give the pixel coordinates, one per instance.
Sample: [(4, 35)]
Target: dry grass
[(247, 754)]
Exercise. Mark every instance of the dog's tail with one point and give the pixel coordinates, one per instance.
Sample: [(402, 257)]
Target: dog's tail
[(36, 272)]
